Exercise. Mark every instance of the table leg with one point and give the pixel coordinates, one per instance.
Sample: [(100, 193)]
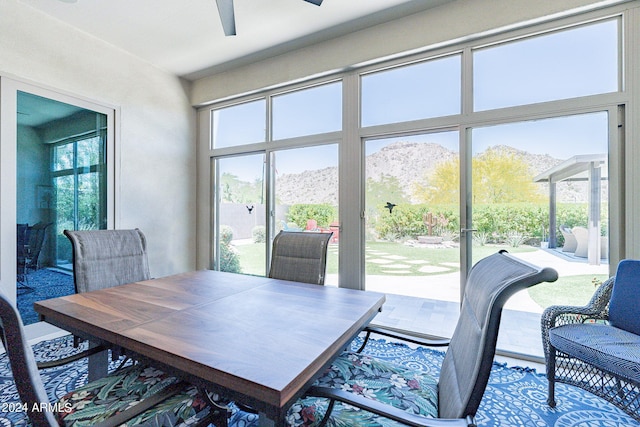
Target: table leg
[(98, 364), (264, 421)]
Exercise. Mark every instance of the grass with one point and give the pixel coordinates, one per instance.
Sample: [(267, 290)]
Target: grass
[(423, 261), (567, 290)]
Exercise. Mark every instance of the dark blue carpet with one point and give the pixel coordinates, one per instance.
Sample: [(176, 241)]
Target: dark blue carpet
[(514, 396), (46, 284)]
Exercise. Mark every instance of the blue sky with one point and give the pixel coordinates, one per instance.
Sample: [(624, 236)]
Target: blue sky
[(576, 62)]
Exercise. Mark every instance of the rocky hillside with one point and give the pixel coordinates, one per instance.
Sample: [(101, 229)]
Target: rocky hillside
[(409, 162)]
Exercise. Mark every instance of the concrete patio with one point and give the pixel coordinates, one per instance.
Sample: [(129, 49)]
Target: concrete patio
[(436, 313)]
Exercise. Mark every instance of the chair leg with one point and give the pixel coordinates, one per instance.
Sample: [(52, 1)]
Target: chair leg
[(219, 412), (551, 376)]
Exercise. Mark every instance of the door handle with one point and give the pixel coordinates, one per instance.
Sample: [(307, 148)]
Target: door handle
[(468, 230)]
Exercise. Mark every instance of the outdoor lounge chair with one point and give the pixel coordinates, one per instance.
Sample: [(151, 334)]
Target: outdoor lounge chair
[(570, 242), (361, 390), (582, 241), (300, 256)]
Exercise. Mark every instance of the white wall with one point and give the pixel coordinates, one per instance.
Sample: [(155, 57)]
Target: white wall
[(155, 140)]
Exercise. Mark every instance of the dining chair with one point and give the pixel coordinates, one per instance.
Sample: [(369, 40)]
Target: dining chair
[(30, 240), (102, 259), (300, 256), (130, 396), (22, 255), (106, 258), (359, 389)]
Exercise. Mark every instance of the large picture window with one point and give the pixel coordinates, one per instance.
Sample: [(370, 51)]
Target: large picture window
[(445, 159), (564, 64), (427, 89), (307, 112), (239, 124)]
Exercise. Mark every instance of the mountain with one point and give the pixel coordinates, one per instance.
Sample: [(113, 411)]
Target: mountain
[(409, 162)]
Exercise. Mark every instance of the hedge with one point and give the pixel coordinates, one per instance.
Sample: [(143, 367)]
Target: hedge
[(495, 223)]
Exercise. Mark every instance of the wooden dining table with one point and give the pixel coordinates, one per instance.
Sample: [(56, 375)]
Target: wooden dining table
[(256, 340)]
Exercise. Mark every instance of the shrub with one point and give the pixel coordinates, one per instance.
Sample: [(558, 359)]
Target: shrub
[(229, 260), (408, 222), (512, 223), (226, 234), (323, 213), (259, 234)]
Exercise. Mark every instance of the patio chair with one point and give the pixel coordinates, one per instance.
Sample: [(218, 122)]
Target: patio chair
[(30, 240), (106, 258), (103, 259), (597, 347), (128, 397), (582, 241), (22, 253), (300, 256), (570, 242), (359, 389)]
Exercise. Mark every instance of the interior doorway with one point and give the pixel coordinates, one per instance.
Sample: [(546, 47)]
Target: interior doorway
[(57, 173)]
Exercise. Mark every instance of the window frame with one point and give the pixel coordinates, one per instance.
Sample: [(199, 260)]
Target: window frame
[(353, 135)]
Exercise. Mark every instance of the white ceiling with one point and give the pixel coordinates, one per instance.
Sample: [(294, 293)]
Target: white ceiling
[(185, 37)]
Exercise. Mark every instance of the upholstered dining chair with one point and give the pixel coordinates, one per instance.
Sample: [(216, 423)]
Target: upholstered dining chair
[(106, 258), (300, 256), (359, 389), (102, 259), (130, 396)]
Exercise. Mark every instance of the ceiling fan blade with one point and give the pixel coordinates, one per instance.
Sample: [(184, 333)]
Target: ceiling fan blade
[(316, 2), (227, 17)]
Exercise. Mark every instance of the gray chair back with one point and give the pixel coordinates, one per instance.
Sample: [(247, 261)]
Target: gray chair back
[(23, 365), (299, 256), (468, 360), (106, 258)]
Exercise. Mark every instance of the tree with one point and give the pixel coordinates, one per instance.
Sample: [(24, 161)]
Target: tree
[(236, 191), (498, 176), (442, 187), (379, 192)]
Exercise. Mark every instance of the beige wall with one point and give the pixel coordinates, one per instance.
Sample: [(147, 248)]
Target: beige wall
[(155, 140), (445, 23)]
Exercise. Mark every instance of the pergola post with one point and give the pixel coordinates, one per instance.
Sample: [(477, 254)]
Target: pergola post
[(595, 249), (553, 241)]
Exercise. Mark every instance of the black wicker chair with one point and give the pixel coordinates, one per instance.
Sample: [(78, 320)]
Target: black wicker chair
[(597, 347)]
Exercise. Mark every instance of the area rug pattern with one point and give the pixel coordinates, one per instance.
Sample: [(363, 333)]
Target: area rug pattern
[(514, 397), (46, 283)]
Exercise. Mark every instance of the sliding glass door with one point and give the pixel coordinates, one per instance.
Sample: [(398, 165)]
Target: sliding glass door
[(55, 176), (545, 198), (412, 250)]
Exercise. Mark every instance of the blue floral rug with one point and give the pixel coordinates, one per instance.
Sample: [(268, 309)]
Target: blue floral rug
[(45, 283), (514, 396)]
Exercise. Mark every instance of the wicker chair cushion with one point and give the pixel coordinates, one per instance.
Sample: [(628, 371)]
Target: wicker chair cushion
[(623, 308), (410, 390), (103, 398), (607, 347)]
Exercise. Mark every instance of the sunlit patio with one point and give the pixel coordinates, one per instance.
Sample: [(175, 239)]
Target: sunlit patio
[(433, 310)]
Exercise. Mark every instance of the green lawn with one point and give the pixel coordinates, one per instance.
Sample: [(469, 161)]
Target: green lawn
[(567, 290), (570, 290)]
